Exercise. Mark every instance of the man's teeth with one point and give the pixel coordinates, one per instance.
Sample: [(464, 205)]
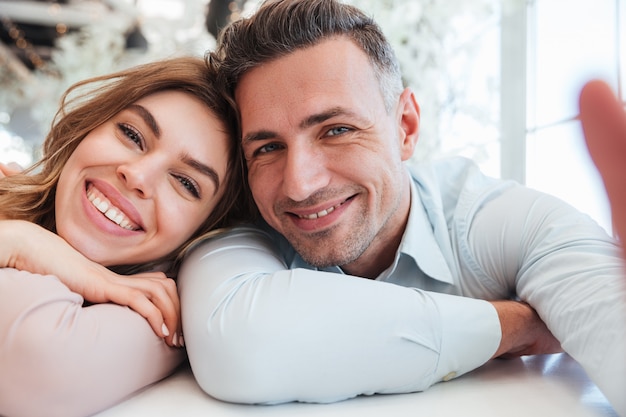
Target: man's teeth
[(319, 214), (111, 212)]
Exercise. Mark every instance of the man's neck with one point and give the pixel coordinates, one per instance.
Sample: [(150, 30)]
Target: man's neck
[(372, 265), (381, 253)]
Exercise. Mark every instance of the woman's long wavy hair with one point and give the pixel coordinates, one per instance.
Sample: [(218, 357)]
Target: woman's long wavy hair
[(88, 104)]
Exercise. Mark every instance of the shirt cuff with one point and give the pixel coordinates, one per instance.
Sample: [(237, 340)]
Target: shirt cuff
[(471, 334)]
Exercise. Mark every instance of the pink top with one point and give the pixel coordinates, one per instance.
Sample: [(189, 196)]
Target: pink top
[(58, 358)]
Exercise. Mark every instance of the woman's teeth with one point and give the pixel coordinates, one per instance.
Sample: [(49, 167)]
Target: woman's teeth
[(105, 207)]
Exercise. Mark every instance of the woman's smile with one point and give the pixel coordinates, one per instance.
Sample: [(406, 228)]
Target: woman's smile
[(113, 213), (132, 191)]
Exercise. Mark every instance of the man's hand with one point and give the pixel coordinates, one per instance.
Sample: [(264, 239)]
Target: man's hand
[(523, 331), (604, 124)]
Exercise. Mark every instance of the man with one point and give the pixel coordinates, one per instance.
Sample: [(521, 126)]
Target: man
[(283, 311)]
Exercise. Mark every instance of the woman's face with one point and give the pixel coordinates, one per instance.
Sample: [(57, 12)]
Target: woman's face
[(140, 184)]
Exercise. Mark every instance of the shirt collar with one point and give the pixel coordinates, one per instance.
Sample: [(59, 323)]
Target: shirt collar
[(419, 240)]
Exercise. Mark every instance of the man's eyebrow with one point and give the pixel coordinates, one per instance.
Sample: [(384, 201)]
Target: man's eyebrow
[(309, 121), (203, 169), (321, 117), (260, 135), (147, 117)]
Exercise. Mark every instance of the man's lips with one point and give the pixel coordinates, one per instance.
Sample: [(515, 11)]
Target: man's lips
[(318, 213), (322, 213)]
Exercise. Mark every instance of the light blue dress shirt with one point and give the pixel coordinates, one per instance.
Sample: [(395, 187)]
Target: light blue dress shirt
[(262, 326)]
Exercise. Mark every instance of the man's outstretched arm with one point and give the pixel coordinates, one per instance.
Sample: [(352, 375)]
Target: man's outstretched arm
[(604, 124)]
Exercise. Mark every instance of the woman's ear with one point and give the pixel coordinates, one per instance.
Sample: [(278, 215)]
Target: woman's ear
[(408, 123)]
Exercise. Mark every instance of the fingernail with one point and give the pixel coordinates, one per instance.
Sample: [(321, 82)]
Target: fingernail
[(165, 331), (181, 341), (175, 339)]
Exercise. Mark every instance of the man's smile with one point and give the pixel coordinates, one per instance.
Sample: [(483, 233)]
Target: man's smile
[(318, 213)]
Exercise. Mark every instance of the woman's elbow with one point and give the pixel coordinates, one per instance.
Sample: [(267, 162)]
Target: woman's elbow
[(33, 378)]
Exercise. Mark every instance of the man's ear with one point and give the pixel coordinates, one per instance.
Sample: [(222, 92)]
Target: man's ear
[(408, 123)]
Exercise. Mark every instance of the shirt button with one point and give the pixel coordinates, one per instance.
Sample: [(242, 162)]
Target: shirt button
[(449, 376)]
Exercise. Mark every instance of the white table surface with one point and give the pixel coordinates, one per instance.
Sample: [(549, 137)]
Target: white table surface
[(535, 386)]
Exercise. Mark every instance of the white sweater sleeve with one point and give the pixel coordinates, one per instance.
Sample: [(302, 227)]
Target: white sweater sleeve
[(58, 358), (257, 332)]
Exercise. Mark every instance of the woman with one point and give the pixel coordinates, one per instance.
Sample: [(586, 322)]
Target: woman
[(133, 170)]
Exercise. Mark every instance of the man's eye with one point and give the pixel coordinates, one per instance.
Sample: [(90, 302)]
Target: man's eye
[(270, 147), (189, 184), (131, 133), (338, 130)]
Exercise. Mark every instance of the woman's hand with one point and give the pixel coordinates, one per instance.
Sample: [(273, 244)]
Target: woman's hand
[(9, 169), (29, 247), (151, 294)]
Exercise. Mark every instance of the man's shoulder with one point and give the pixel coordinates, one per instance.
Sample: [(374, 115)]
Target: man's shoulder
[(451, 176), (445, 170), (453, 184)]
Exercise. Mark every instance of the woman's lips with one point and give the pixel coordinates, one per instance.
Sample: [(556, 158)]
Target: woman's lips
[(110, 211)]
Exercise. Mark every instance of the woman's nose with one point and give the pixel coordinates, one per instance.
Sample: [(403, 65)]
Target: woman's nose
[(138, 176)]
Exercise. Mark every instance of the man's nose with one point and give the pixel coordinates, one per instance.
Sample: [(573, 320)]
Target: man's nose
[(305, 172)]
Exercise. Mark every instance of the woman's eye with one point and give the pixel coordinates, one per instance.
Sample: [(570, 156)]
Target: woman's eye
[(189, 184), (132, 134)]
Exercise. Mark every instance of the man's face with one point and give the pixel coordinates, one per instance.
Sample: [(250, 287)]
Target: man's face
[(325, 157)]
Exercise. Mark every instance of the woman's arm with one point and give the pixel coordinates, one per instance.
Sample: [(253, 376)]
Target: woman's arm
[(59, 358), (28, 247)]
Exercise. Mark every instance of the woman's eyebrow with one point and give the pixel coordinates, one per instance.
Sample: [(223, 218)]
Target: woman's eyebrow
[(203, 169), (147, 118)]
